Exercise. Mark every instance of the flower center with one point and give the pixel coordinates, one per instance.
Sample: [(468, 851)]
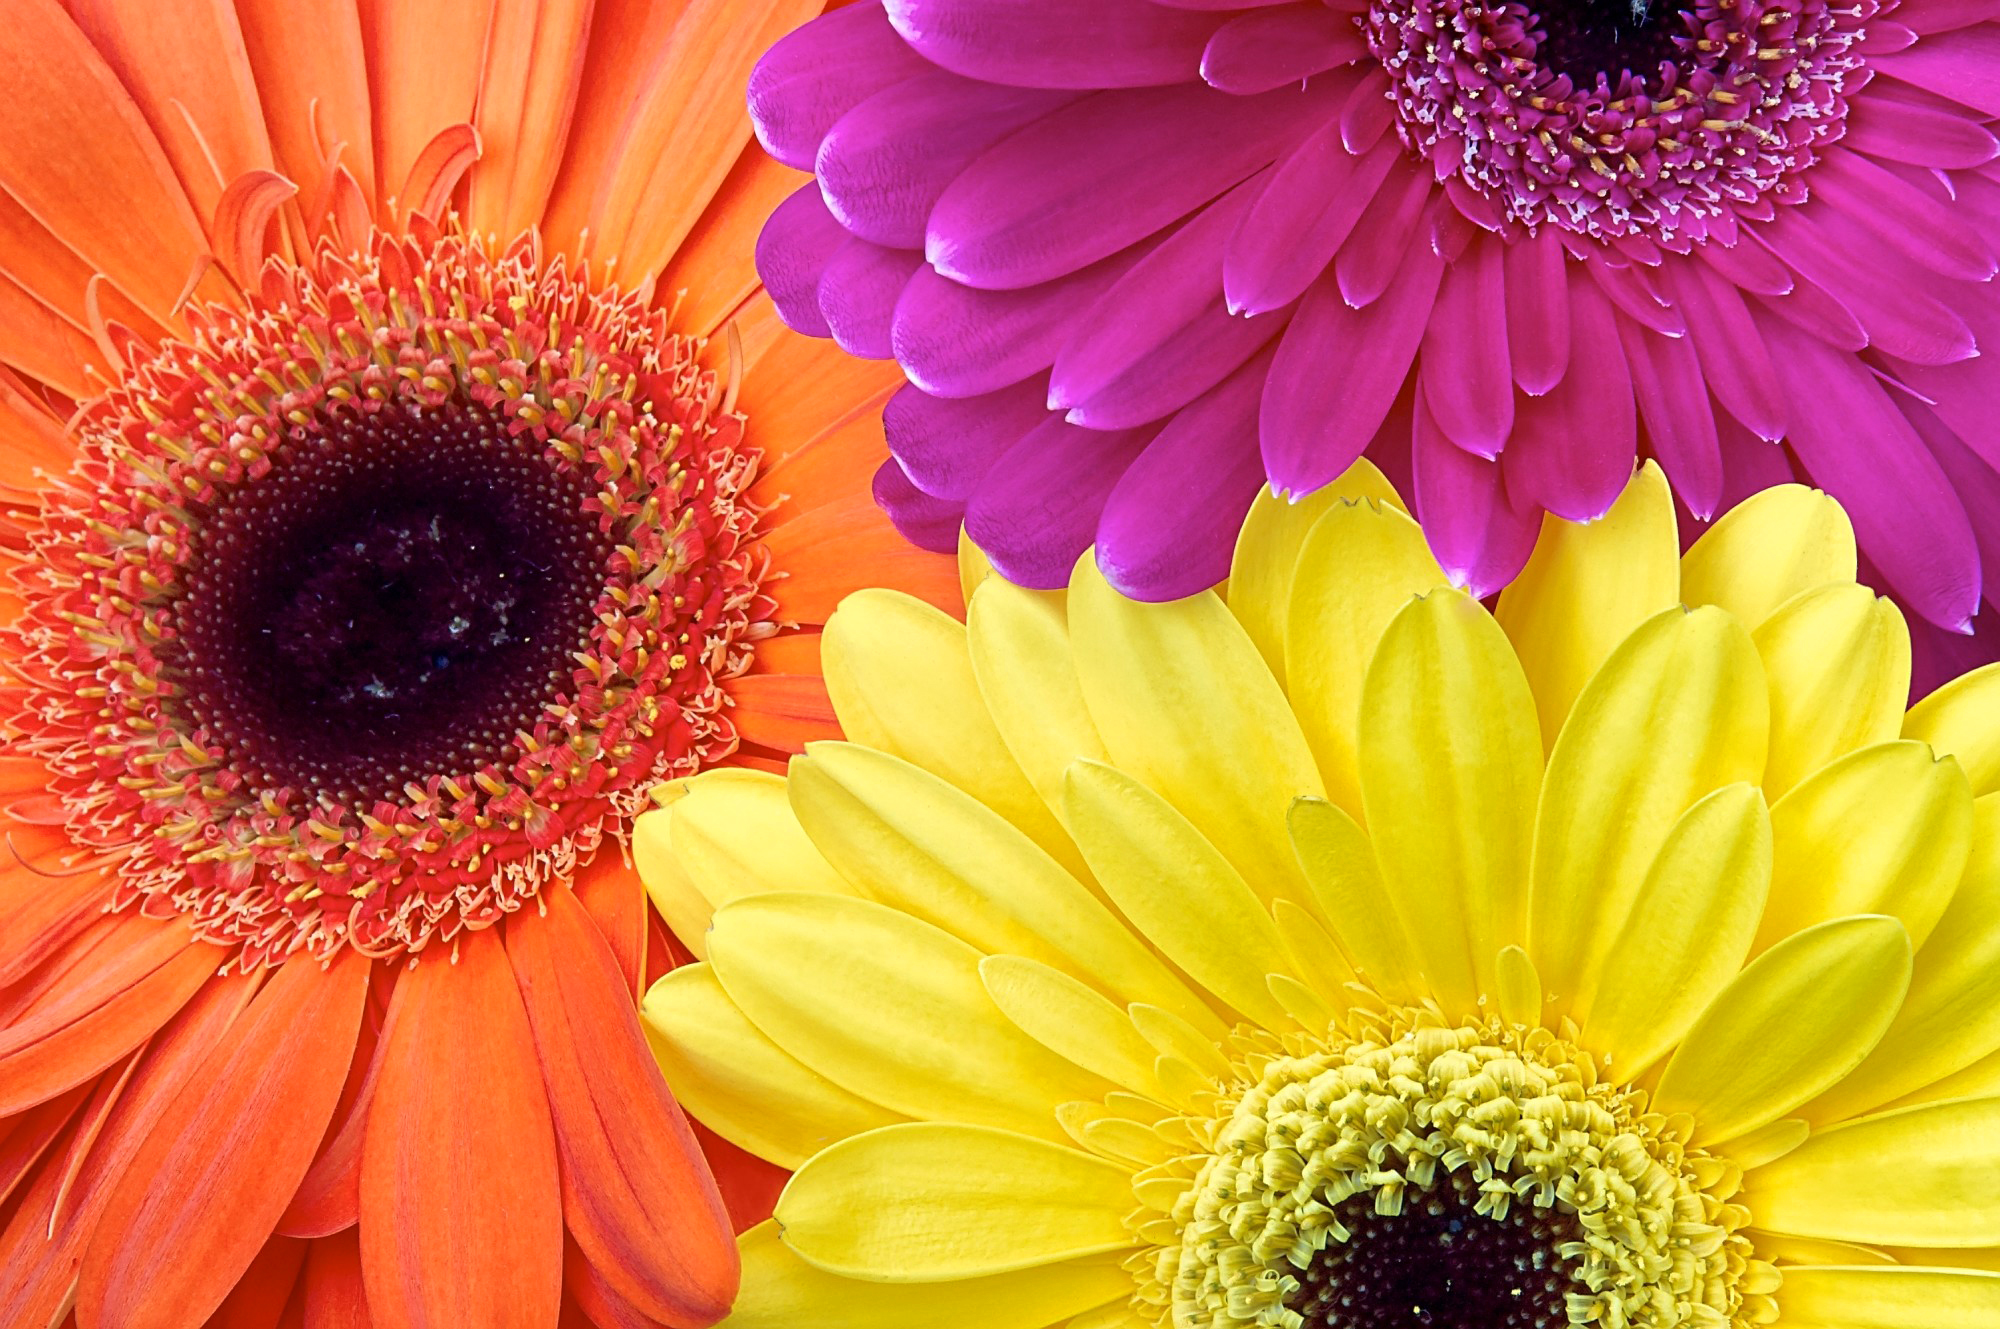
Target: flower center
[(396, 600), (372, 607), (1438, 1263)]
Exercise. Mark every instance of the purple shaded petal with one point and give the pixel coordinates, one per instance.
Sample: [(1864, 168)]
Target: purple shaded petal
[(1750, 268), (1811, 309), (1856, 444), (1978, 488), (1094, 177), (811, 77), (792, 251), (1210, 5), (1257, 52), (947, 445), (1936, 656), (954, 341), (1056, 43), (1337, 373), (1370, 110), (1170, 525), (1300, 220), (1966, 396), (1890, 299), (1480, 539), (1750, 465), (1373, 254), (858, 291), (1573, 450), (1538, 311), (1733, 357), (1634, 290), (1962, 65), (1673, 404), (1464, 365), (1037, 510), (924, 520), (1906, 130), (1919, 225), (1947, 15), (884, 165), (1199, 355)]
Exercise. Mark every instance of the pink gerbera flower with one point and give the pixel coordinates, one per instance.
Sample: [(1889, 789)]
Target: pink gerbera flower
[(1137, 257)]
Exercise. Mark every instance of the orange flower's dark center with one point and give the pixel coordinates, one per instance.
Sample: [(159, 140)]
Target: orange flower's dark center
[(375, 605), (396, 600)]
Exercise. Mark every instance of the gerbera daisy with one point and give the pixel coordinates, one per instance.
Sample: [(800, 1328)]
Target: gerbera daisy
[(403, 471), (1502, 245), (1345, 956)]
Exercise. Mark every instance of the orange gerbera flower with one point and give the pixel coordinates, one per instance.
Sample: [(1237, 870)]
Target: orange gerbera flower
[(401, 472)]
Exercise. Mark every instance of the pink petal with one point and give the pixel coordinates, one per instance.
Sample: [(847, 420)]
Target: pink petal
[(811, 77), (1299, 222), (946, 445), (1373, 255), (926, 521), (1368, 113), (1538, 311), (1733, 358), (1889, 298), (1673, 405), (1260, 51), (792, 251), (1056, 43), (1464, 366), (1572, 451), (1479, 537), (1750, 465), (1037, 510), (1921, 134), (858, 291), (1916, 223), (1962, 65)]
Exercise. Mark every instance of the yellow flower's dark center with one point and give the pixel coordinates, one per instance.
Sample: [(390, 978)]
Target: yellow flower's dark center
[(1440, 1264)]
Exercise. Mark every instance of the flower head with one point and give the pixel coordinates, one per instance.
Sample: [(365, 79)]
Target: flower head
[(1501, 246), (402, 473), (1346, 955)]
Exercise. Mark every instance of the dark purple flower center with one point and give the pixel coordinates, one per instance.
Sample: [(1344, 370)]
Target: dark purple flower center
[(1440, 1264), (1584, 39)]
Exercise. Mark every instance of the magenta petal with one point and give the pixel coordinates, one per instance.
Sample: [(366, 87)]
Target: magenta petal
[(1101, 173), (1812, 310), (1037, 510), (1260, 51), (1480, 539), (1369, 111), (1216, 5), (811, 77), (1978, 488), (1464, 367), (884, 165), (1947, 15), (1680, 424), (1635, 292), (1733, 357), (1170, 524), (954, 341), (1937, 656), (1199, 355), (947, 445), (1855, 443), (1750, 465), (1573, 449), (1299, 221), (1338, 371), (1749, 267), (1373, 254), (924, 520), (1056, 43), (1891, 301), (1919, 225), (1962, 65), (1922, 135), (858, 291), (792, 251), (1538, 311)]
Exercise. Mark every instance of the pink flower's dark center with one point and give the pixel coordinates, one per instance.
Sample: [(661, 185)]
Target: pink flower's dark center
[(397, 599), (1610, 121)]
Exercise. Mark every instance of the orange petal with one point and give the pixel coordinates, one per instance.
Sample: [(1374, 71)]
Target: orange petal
[(265, 1290), (437, 171), (534, 64), (135, 981), (76, 152), (838, 463), (797, 388), (329, 1199), (335, 1298), (713, 265), (593, 1304), (28, 1136), (461, 1210), (312, 73), (749, 1185), (194, 1208), (42, 344), (782, 711), (837, 549), (787, 653), (637, 1195), (615, 898), (41, 1247), (243, 221), (423, 67), (31, 438), (39, 915)]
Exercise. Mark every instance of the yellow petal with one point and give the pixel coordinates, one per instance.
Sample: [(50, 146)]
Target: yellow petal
[(1340, 867), (1267, 553), (1070, 1020), (1451, 763), (739, 1083), (781, 1291), (1883, 831), (1951, 1017), (1688, 934), (928, 1202), (910, 840), (1963, 719), (1805, 1250), (1175, 887), (974, 568), (1519, 987), (1677, 712), (1312, 954), (1586, 587), (1838, 661), (1924, 1176), (1892, 1298), (1767, 549), (728, 833), (900, 676), (890, 1008), (1361, 564), (1027, 675), (1185, 704), (1800, 1017)]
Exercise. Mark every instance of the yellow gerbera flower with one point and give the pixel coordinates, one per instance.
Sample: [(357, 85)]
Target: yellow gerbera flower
[(1342, 955)]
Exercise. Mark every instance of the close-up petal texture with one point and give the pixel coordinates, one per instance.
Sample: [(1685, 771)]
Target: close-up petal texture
[(1503, 248), (1333, 952), (402, 469)]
